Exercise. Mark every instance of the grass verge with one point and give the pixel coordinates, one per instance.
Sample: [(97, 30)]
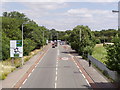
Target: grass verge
[(7, 67)]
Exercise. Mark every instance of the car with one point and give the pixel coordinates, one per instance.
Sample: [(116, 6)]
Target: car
[(56, 44), (53, 45)]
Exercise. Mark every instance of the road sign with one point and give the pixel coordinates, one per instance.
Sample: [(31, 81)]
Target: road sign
[(46, 41), (16, 49)]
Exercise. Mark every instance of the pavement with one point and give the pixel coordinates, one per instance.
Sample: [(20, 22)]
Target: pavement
[(59, 67), (100, 81)]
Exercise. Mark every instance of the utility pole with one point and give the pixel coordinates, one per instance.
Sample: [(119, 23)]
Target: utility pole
[(22, 45), (57, 36), (80, 34), (118, 11)]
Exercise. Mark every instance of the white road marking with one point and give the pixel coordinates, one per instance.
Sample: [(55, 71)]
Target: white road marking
[(87, 82), (56, 73), (56, 69), (80, 70), (36, 66), (29, 74), (56, 78), (77, 66), (55, 85), (65, 58), (84, 76), (24, 81), (32, 70), (58, 53)]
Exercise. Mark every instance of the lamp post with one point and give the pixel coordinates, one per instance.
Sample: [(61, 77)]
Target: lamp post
[(22, 43), (80, 35), (118, 11)]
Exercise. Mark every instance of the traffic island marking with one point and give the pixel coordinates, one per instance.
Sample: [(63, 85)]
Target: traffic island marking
[(64, 58)]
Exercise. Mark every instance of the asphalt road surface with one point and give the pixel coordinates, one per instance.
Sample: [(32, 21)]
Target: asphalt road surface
[(56, 70)]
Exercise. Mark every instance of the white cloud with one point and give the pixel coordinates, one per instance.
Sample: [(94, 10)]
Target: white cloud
[(60, 0), (95, 19), (44, 5), (43, 14)]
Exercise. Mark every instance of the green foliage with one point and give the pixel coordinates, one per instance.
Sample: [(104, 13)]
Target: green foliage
[(5, 46), (2, 76), (105, 35), (97, 41), (100, 53), (113, 55), (29, 45), (84, 45), (12, 30)]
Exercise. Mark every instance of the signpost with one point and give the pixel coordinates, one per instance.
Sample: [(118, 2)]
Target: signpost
[(16, 49)]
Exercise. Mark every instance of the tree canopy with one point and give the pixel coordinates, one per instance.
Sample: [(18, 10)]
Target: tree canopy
[(12, 30)]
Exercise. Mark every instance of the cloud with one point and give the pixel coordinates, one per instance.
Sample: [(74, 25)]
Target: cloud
[(60, 0), (94, 18), (44, 5), (62, 16)]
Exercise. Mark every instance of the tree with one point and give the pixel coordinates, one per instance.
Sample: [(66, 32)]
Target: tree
[(12, 30), (113, 55), (105, 35), (84, 45)]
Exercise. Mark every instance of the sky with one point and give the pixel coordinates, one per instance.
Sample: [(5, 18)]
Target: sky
[(66, 14)]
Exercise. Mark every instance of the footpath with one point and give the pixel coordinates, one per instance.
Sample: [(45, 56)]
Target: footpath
[(98, 79), (16, 76)]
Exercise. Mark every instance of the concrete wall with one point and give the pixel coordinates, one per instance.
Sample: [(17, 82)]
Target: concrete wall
[(101, 66)]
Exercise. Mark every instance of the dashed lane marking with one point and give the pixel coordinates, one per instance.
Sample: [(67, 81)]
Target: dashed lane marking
[(80, 70), (35, 66), (29, 74), (24, 81)]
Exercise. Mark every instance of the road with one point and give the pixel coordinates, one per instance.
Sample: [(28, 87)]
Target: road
[(56, 69)]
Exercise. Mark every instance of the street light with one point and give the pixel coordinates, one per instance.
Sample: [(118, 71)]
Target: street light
[(22, 43), (80, 35), (115, 11), (118, 11)]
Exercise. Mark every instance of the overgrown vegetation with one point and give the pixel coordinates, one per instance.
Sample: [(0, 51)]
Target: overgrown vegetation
[(100, 53), (113, 55)]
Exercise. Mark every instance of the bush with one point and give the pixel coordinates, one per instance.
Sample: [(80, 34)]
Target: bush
[(113, 56), (97, 41), (2, 76)]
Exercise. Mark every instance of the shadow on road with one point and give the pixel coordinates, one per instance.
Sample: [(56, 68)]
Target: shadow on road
[(104, 86)]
